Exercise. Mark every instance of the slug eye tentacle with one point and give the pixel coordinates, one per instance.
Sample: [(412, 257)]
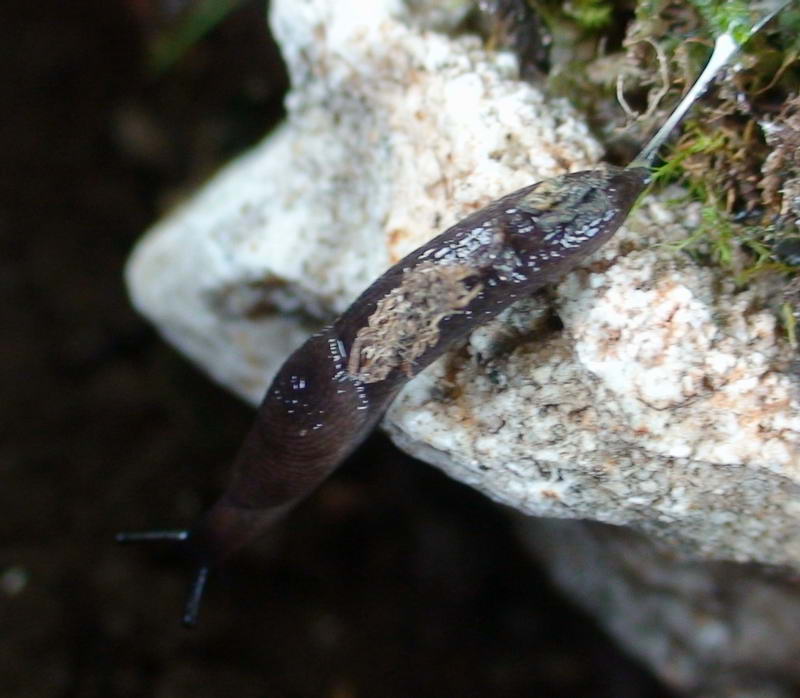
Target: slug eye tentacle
[(197, 586), (176, 536), (196, 590)]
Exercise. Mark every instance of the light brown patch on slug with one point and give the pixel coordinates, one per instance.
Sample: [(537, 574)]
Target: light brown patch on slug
[(546, 196), (406, 320)]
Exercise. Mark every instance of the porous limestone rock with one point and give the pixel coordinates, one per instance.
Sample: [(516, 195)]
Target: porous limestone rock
[(394, 132), (643, 390)]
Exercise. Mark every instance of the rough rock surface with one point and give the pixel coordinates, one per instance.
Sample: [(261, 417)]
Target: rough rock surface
[(665, 402), (643, 390), (393, 133)]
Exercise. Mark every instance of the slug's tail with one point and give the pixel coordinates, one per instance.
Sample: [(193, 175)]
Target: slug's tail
[(197, 586)]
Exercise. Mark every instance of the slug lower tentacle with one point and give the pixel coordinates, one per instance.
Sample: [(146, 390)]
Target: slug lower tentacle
[(332, 391)]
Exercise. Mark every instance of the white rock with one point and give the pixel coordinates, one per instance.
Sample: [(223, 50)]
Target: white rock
[(393, 133), (668, 402)]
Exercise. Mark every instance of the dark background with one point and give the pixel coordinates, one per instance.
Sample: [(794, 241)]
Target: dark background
[(390, 581)]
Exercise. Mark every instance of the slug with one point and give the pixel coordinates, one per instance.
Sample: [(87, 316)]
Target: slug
[(331, 392)]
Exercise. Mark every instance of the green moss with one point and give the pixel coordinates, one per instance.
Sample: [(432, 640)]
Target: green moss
[(789, 318), (673, 167), (726, 16), (590, 14)]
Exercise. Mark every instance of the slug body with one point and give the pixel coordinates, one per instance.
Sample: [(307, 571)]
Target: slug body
[(332, 391)]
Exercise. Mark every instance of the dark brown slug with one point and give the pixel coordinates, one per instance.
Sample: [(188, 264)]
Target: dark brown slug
[(332, 391)]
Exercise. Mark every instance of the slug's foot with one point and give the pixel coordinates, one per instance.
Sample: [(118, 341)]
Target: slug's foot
[(201, 571)]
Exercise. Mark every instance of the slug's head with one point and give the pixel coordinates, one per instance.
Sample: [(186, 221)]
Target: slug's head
[(182, 540), (221, 532)]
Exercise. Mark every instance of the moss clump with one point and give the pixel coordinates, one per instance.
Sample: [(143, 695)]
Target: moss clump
[(627, 64), (590, 14)]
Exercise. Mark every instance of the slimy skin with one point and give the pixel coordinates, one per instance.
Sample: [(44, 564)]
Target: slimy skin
[(331, 392)]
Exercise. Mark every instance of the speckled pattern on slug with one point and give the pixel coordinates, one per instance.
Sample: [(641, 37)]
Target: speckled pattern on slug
[(406, 320), (580, 206)]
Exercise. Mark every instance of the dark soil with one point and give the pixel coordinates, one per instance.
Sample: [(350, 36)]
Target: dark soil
[(391, 581)]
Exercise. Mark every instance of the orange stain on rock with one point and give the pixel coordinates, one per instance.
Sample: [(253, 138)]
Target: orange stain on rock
[(395, 239)]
